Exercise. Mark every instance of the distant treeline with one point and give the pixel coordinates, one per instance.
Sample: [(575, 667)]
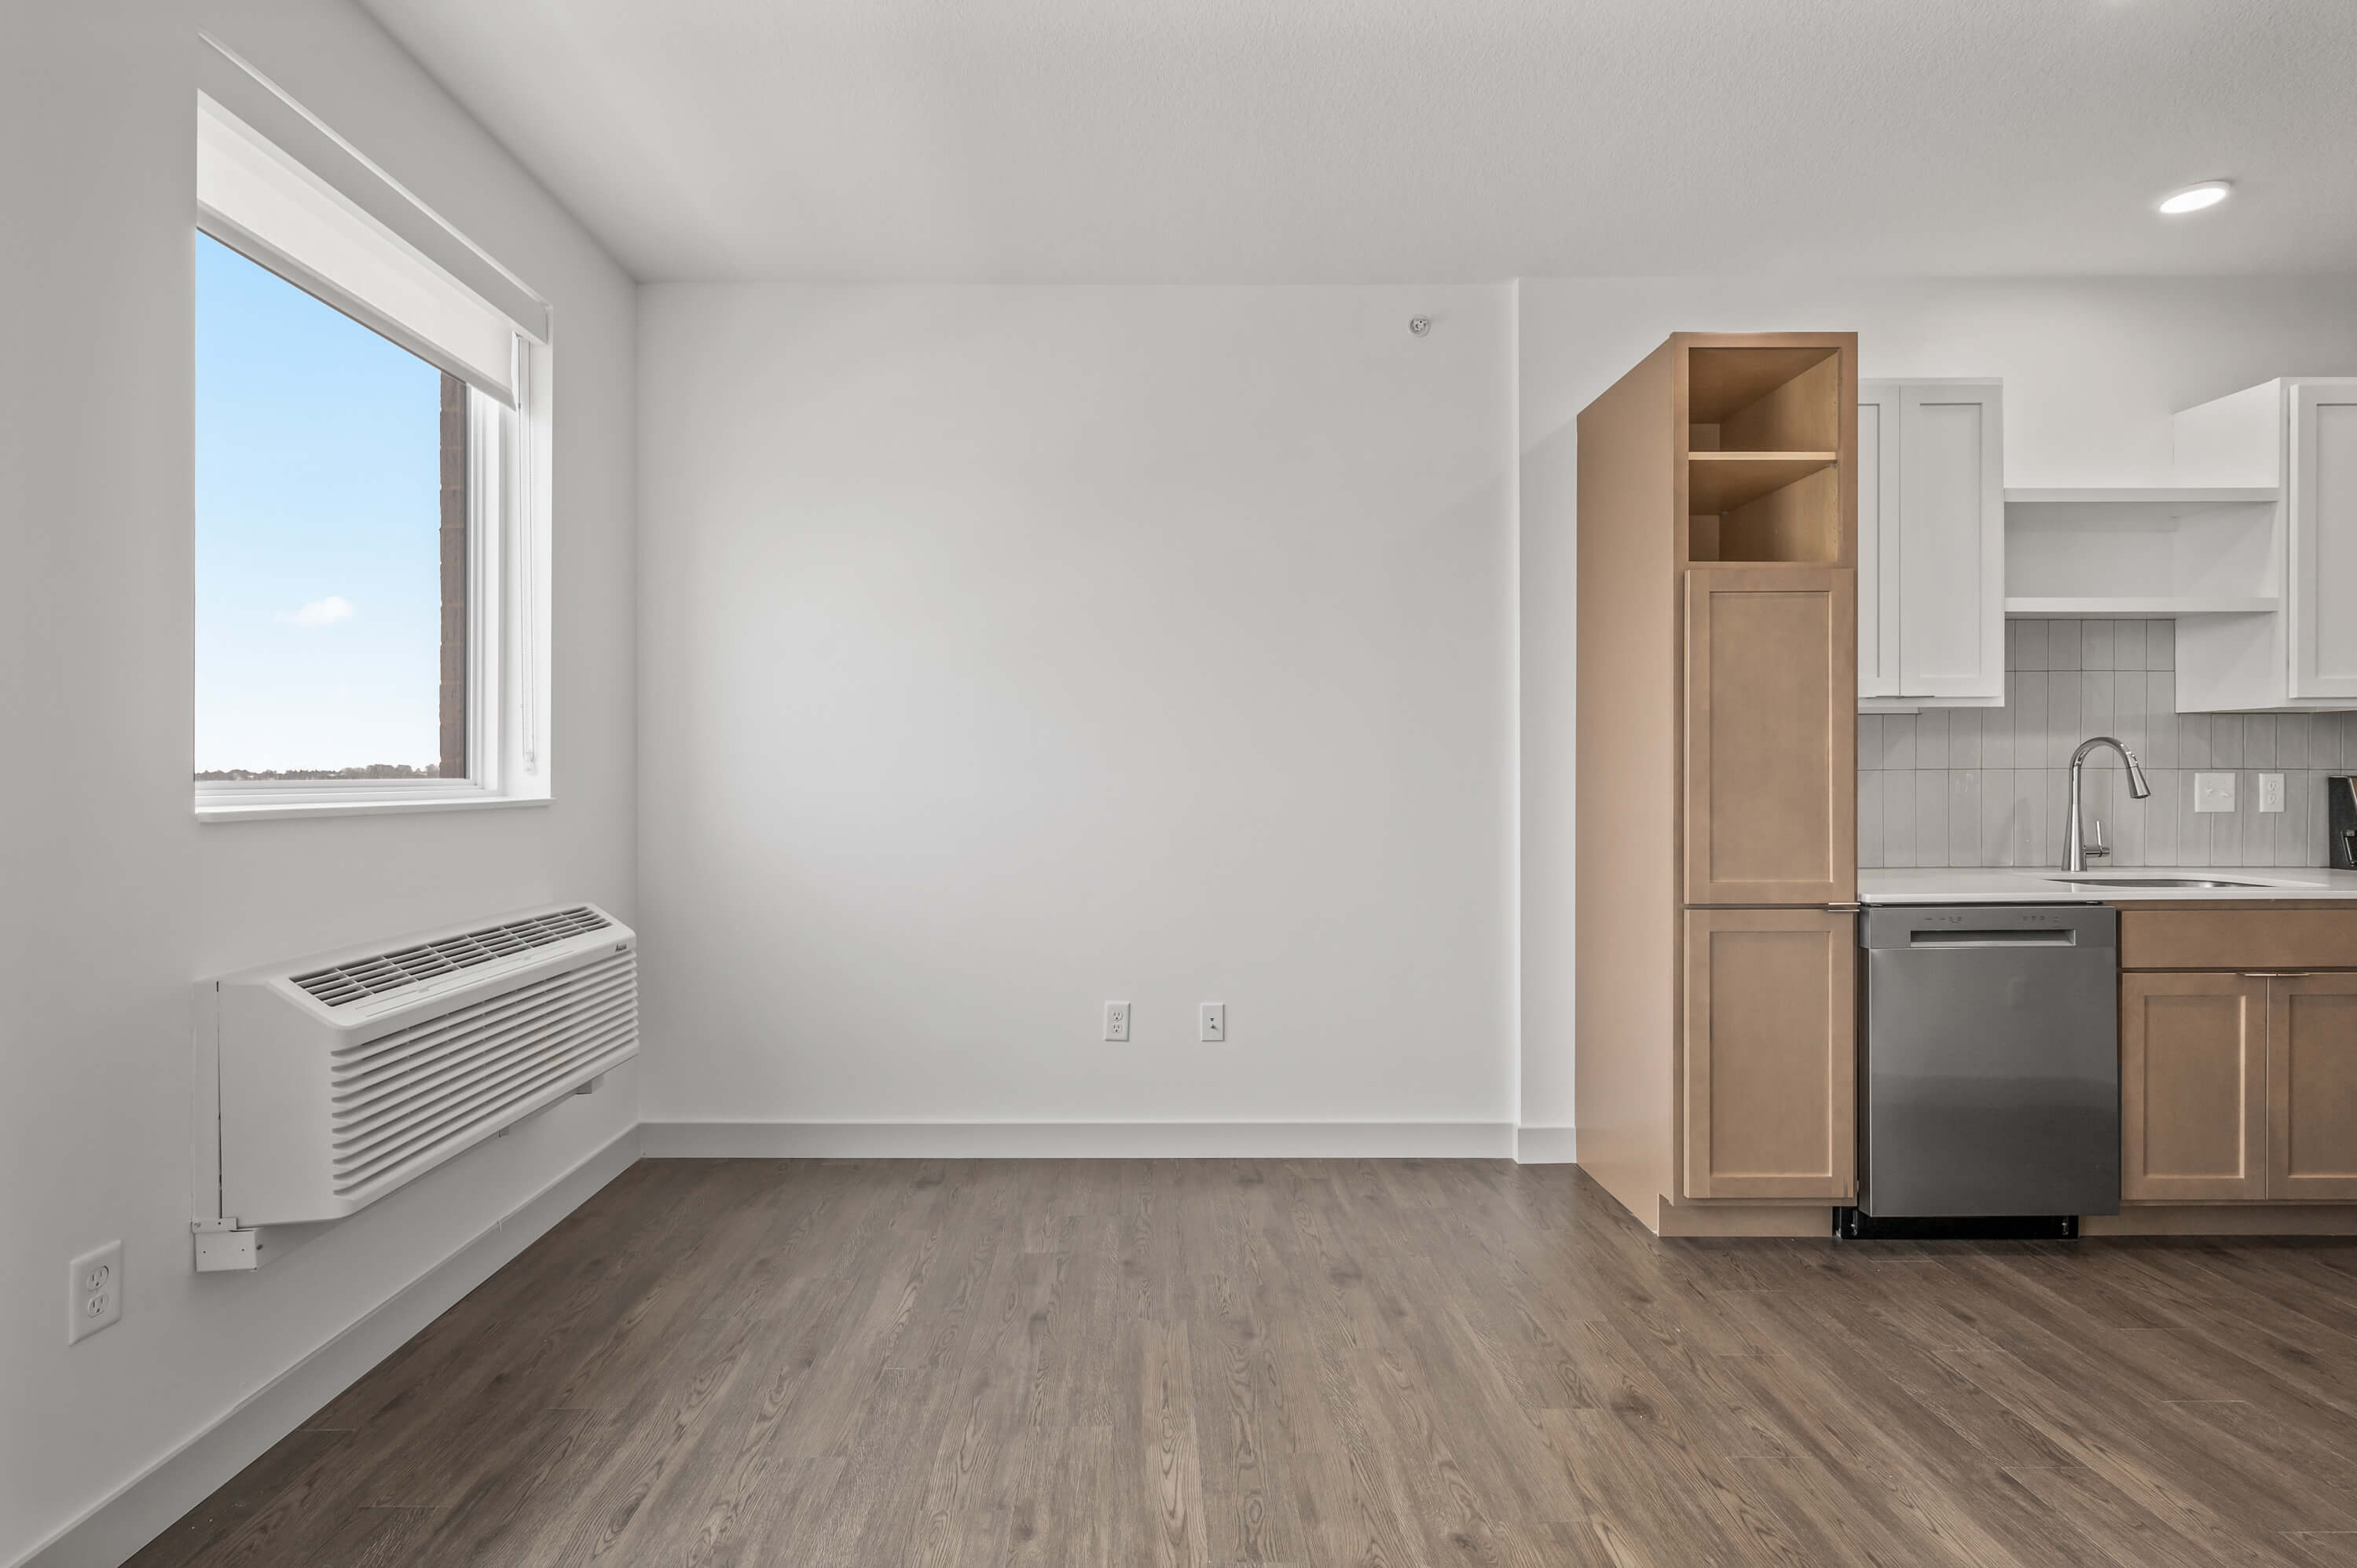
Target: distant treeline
[(374, 770)]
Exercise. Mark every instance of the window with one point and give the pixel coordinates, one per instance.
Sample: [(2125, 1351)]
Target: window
[(371, 527), (333, 519)]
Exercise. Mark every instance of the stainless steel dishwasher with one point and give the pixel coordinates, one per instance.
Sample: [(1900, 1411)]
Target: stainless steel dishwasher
[(1991, 1067)]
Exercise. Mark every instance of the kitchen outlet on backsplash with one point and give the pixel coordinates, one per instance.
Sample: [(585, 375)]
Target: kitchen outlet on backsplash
[(1991, 786)]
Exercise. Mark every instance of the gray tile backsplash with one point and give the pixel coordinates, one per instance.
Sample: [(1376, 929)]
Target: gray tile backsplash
[(1991, 786)]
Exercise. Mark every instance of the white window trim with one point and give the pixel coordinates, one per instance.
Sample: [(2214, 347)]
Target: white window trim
[(257, 198)]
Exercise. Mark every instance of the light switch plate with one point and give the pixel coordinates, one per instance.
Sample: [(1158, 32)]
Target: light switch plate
[(2271, 791), (2213, 792)]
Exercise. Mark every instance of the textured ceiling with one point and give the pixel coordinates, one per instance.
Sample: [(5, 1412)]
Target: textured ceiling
[(1417, 140)]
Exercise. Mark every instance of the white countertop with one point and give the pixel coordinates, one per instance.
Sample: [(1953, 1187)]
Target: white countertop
[(2041, 884)]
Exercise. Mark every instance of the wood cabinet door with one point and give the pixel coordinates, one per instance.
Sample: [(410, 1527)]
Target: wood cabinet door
[(1770, 735), (1950, 541), (2323, 536), (2193, 1087), (1770, 1067), (1877, 539), (2312, 1088)]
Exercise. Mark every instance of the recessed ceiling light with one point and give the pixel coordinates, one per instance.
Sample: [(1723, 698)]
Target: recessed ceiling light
[(2194, 198)]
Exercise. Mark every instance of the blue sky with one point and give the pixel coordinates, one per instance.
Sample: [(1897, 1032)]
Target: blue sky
[(319, 556)]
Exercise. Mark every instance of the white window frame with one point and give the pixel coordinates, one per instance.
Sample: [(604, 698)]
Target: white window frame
[(508, 540)]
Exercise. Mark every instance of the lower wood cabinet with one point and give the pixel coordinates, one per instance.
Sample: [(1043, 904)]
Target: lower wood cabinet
[(2312, 1087), (2238, 1087), (2193, 1087), (1771, 1055)]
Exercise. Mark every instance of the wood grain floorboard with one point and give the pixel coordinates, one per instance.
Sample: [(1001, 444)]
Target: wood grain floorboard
[(223, 1513), (1312, 1364), (2322, 1549)]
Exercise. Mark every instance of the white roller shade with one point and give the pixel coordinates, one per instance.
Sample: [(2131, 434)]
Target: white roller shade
[(261, 198)]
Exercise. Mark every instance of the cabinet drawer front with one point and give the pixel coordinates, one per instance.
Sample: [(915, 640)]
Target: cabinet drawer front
[(2242, 940)]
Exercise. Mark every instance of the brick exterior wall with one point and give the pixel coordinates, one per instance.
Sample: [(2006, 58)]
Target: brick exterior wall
[(454, 577)]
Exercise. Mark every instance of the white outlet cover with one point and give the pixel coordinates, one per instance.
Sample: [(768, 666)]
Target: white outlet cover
[(2271, 791), (2213, 792), (1116, 1021), (1213, 1019), (94, 1291)]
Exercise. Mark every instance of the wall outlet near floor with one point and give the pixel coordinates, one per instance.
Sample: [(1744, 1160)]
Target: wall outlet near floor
[(2271, 793), (94, 1291), (2213, 792), (1214, 1020), (1116, 1021)]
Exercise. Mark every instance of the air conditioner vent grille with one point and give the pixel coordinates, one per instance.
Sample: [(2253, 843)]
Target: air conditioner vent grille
[(409, 1098), (363, 978)]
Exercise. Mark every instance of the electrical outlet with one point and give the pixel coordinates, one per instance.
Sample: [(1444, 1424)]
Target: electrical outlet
[(2271, 793), (1214, 1019), (1116, 1020), (94, 1291), (2213, 792)]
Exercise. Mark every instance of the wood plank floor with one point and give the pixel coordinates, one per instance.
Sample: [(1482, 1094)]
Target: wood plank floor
[(946, 1365)]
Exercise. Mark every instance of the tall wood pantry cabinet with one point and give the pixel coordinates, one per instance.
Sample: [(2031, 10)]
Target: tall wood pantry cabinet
[(1716, 812)]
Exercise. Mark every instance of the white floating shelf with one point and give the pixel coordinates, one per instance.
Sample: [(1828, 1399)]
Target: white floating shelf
[(2101, 607), (2172, 500)]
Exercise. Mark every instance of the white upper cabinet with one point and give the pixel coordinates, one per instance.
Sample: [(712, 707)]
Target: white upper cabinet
[(1877, 567), (2296, 437), (1930, 544), (2323, 506)]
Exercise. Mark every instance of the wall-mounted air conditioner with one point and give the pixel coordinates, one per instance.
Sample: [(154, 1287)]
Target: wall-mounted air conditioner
[(324, 1083)]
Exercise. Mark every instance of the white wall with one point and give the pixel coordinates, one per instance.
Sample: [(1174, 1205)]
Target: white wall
[(1009, 651), (116, 899), (2093, 368), (1005, 651)]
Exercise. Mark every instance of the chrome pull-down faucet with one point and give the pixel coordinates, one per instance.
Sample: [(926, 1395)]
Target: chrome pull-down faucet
[(2074, 845)]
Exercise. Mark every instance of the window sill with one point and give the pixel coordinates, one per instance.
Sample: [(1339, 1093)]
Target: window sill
[(302, 811)]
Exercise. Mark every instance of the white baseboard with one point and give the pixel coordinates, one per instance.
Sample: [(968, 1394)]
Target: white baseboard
[(1079, 1140), (148, 1504), (1547, 1145)]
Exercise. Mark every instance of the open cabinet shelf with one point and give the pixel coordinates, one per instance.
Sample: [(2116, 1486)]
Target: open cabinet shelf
[(2160, 550), (1763, 400), (1721, 481), (2100, 606), (1764, 443), (1764, 508), (2168, 500)]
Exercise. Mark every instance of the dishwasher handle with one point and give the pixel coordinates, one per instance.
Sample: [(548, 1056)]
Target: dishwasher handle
[(1919, 927), (1966, 937)]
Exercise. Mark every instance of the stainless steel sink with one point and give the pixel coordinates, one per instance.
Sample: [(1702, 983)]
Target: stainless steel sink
[(2149, 882)]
